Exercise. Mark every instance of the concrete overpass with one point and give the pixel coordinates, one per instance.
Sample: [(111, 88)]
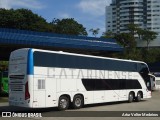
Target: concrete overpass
[(11, 39)]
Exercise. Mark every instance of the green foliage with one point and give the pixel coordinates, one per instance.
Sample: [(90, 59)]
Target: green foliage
[(149, 56), (135, 54), (68, 26), (94, 31), (132, 54), (108, 34), (132, 28), (148, 36), (126, 40), (23, 19), (143, 34), (3, 65)]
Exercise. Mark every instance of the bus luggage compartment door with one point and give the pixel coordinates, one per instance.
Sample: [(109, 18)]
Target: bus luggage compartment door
[(39, 93), (51, 97)]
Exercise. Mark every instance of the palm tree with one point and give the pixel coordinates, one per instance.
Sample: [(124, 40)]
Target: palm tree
[(94, 31)]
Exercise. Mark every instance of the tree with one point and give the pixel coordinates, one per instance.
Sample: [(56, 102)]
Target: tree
[(94, 31), (148, 36), (143, 34), (140, 33), (108, 34), (68, 26), (132, 28), (23, 19), (126, 39)]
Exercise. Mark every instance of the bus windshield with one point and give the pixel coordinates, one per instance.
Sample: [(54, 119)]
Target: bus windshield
[(144, 72)]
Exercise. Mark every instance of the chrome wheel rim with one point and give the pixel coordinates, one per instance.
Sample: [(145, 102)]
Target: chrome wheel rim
[(78, 102), (139, 96), (131, 97), (63, 103)]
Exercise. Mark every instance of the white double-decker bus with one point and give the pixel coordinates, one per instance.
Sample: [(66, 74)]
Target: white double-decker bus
[(42, 78)]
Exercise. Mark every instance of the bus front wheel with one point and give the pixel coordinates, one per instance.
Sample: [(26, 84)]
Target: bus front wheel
[(63, 103), (130, 97), (77, 102)]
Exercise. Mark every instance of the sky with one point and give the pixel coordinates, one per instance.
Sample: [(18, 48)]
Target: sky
[(89, 13)]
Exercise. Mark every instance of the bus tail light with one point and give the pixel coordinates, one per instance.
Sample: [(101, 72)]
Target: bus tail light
[(27, 95)]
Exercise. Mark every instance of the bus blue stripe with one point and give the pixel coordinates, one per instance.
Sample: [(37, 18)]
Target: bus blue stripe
[(30, 70)]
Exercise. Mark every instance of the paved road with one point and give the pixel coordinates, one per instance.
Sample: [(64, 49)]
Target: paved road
[(152, 104)]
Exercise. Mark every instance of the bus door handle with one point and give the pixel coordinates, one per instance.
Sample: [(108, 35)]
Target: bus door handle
[(49, 95)]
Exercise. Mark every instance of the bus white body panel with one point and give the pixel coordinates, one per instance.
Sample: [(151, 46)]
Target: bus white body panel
[(18, 78), (41, 86), (156, 78), (157, 83)]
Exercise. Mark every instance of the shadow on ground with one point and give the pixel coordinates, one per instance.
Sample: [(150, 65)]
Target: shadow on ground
[(51, 109)]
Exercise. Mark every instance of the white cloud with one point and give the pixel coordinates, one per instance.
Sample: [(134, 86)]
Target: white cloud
[(64, 15), (33, 4), (94, 7)]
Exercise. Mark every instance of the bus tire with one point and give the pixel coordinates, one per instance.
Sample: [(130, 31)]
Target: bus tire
[(63, 103), (130, 97), (139, 97), (77, 102)]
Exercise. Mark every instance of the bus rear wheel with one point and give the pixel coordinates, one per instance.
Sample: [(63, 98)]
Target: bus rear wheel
[(63, 103), (130, 97), (77, 102), (139, 97)]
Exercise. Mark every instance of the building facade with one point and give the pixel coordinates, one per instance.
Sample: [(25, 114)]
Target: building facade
[(144, 13)]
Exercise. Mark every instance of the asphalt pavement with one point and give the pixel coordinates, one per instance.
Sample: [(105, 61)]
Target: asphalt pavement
[(110, 111)]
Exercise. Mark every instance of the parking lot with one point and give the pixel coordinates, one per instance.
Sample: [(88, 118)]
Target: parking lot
[(152, 105)]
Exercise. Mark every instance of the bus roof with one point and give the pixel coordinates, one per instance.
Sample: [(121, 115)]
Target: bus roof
[(83, 55)]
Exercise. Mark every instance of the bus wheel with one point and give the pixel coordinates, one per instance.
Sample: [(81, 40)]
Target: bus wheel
[(139, 97), (63, 103), (130, 97), (77, 102)]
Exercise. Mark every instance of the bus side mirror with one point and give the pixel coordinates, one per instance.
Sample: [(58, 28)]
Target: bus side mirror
[(148, 84)]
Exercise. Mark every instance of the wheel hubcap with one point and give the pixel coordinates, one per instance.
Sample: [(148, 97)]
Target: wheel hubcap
[(78, 102), (139, 96), (63, 103), (131, 97)]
